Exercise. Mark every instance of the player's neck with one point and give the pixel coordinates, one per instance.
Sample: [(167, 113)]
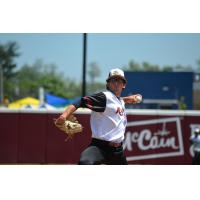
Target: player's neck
[(117, 94)]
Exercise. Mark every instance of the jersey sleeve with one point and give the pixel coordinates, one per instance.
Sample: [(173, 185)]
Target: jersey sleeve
[(95, 102)]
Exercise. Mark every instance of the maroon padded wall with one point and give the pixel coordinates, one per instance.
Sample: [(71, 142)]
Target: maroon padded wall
[(150, 138)]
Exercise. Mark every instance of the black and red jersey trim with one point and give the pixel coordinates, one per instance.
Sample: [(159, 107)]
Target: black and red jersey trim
[(95, 102)]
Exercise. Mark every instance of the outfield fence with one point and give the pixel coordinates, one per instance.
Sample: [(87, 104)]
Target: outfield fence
[(152, 137)]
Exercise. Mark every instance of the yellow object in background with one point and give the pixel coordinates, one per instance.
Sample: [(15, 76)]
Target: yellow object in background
[(28, 101)]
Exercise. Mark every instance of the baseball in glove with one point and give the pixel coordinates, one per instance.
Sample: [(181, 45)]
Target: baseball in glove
[(71, 126)]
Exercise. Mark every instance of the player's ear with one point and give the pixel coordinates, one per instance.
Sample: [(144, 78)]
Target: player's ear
[(124, 86)]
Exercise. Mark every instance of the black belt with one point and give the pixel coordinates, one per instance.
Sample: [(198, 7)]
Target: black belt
[(109, 143)]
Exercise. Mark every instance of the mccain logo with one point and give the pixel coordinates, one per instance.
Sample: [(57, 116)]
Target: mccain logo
[(155, 138)]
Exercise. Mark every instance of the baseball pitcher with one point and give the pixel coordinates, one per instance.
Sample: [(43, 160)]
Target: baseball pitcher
[(108, 122)]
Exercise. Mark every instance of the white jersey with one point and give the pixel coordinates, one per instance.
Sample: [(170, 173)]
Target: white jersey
[(196, 142), (110, 125)]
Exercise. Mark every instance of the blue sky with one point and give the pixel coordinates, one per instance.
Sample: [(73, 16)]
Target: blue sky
[(107, 50)]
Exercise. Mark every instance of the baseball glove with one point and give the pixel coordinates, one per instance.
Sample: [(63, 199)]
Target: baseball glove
[(71, 126)]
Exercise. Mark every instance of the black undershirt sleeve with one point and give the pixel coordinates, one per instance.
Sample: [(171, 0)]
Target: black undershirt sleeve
[(95, 102)]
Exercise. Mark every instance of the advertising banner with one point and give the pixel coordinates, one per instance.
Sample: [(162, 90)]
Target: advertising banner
[(151, 137)]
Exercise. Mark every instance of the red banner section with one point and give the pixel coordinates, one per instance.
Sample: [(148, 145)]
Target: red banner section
[(152, 137)]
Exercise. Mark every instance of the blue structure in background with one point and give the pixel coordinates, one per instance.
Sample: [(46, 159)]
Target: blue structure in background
[(161, 89), (56, 101), (59, 101)]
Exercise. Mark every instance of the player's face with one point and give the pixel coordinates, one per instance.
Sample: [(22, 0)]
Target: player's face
[(116, 85)]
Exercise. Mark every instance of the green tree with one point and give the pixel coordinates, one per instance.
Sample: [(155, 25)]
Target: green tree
[(30, 78), (8, 52), (93, 72), (167, 68), (183, 68), (27, 81), (149, 67), (137, 67), (96, 87), (198, 65), (133, 66), (145, 66)]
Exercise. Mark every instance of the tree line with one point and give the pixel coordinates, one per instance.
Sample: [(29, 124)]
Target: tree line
[(145, 66), (27, 79)]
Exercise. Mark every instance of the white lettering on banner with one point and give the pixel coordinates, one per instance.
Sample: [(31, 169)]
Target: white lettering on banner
[(145, 139), (153, 141)]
